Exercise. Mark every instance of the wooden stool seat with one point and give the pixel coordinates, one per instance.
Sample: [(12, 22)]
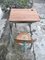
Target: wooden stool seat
[(23, 37)]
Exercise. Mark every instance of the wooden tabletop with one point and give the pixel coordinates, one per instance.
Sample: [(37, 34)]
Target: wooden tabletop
[(23, 15)]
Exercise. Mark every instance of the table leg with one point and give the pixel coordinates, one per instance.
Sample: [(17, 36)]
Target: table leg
[(11, 24), (30, 28), (15, 25), (30, 33), (11, 36), (32, 42)]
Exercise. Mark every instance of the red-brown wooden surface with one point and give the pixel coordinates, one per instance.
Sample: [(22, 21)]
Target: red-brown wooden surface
[(23, 37), (23, 15)]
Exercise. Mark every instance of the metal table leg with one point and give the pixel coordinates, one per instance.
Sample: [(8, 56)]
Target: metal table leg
[(30, 33), (11, 24), (15, 25), (32, 42), (11, 36)]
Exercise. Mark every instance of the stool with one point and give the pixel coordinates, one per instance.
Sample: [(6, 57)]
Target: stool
[(24, 38)]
